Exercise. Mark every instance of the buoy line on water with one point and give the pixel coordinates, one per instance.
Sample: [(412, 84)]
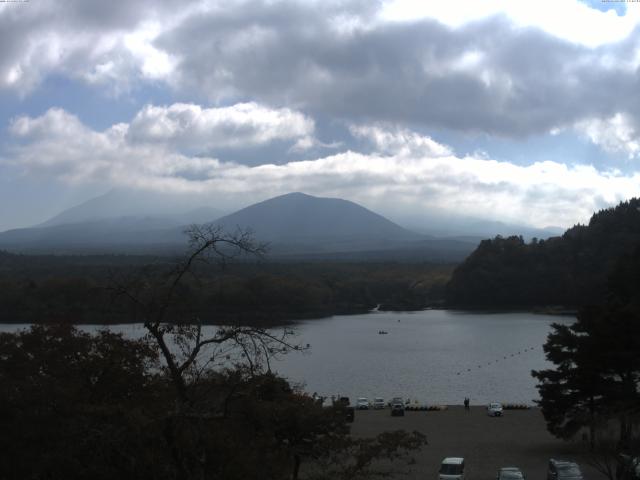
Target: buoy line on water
[(498, 360)]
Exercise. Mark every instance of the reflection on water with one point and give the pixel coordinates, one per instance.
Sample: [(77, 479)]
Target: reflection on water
[(433, 356)]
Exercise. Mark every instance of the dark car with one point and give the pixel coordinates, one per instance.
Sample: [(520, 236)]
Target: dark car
[(397, 407), (563, 470), (510, 473)]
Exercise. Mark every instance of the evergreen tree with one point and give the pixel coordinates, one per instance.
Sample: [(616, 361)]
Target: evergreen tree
[(597, 363)]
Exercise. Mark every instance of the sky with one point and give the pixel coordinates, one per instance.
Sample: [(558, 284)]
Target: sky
[(521, 111)]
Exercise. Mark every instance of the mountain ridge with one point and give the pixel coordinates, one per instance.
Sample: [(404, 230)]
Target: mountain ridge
[(294, 224)]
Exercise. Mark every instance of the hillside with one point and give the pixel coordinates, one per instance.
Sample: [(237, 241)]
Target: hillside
[(570, 270)]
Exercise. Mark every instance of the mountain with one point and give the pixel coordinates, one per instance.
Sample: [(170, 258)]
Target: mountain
[(121, 220), (296, 226), (180, 209), (571, 270), (297, 220)]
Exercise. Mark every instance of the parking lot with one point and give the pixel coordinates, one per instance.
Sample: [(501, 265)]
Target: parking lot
[(519, 438)]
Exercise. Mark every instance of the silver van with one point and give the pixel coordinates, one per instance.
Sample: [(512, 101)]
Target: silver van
[(452, 468)]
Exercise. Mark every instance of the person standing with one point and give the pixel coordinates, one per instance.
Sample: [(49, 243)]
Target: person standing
[(466, 403)]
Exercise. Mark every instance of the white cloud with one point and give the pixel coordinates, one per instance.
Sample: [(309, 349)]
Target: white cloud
[(617, 134), (412, 173), (399, 141), (497, 67), (102, 43), (571, 20), (193, 128)]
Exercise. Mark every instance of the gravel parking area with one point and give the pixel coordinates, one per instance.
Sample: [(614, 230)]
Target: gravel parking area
[(519, 438)]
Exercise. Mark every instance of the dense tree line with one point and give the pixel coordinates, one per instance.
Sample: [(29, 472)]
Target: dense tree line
[(570, 270), (76, 289)]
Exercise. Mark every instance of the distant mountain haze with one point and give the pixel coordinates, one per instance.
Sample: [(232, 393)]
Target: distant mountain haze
[(462, 226), (121, 202), (295, 225)]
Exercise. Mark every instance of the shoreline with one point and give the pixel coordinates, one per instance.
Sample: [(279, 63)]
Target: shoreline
[(288, 320)]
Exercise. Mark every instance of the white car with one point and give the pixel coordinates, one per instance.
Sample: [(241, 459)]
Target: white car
[(494, 409), (378, 403), (362, 403), (452, 468)]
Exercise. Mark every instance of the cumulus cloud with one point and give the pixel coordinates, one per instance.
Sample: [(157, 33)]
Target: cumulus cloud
[(57, 144), (153, 146), (491, 75), (399, 141), (587, 26), (498, 67), (191, 127), (410, 171), (617, 134), (103, 43)]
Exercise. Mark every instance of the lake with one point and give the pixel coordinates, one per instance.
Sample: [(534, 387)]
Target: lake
[(433, 356)]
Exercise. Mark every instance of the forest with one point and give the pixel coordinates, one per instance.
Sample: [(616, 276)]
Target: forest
[(80, 289), (568, 271)]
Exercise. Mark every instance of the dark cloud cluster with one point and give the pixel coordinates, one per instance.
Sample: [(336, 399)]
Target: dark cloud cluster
[(487, 76), (335, 58)]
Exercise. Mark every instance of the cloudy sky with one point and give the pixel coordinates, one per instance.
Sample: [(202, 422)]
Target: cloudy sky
[(523, 111)]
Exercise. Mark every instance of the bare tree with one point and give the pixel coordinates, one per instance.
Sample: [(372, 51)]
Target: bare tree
[(193, 355), (187, 349)]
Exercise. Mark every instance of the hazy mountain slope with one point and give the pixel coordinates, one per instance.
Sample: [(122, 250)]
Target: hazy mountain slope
[(125, 233), (461, 226), (175, 209)]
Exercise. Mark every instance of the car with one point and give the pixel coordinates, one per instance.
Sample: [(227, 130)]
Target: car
[(362, 403), (510, 473), (397, 407), (494, 409), (451, 468), (378, 403), (563, 470)]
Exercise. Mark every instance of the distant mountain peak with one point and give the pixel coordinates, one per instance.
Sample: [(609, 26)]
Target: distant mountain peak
[(301, 218)]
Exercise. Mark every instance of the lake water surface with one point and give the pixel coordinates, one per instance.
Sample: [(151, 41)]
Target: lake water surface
[(433, 356)]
